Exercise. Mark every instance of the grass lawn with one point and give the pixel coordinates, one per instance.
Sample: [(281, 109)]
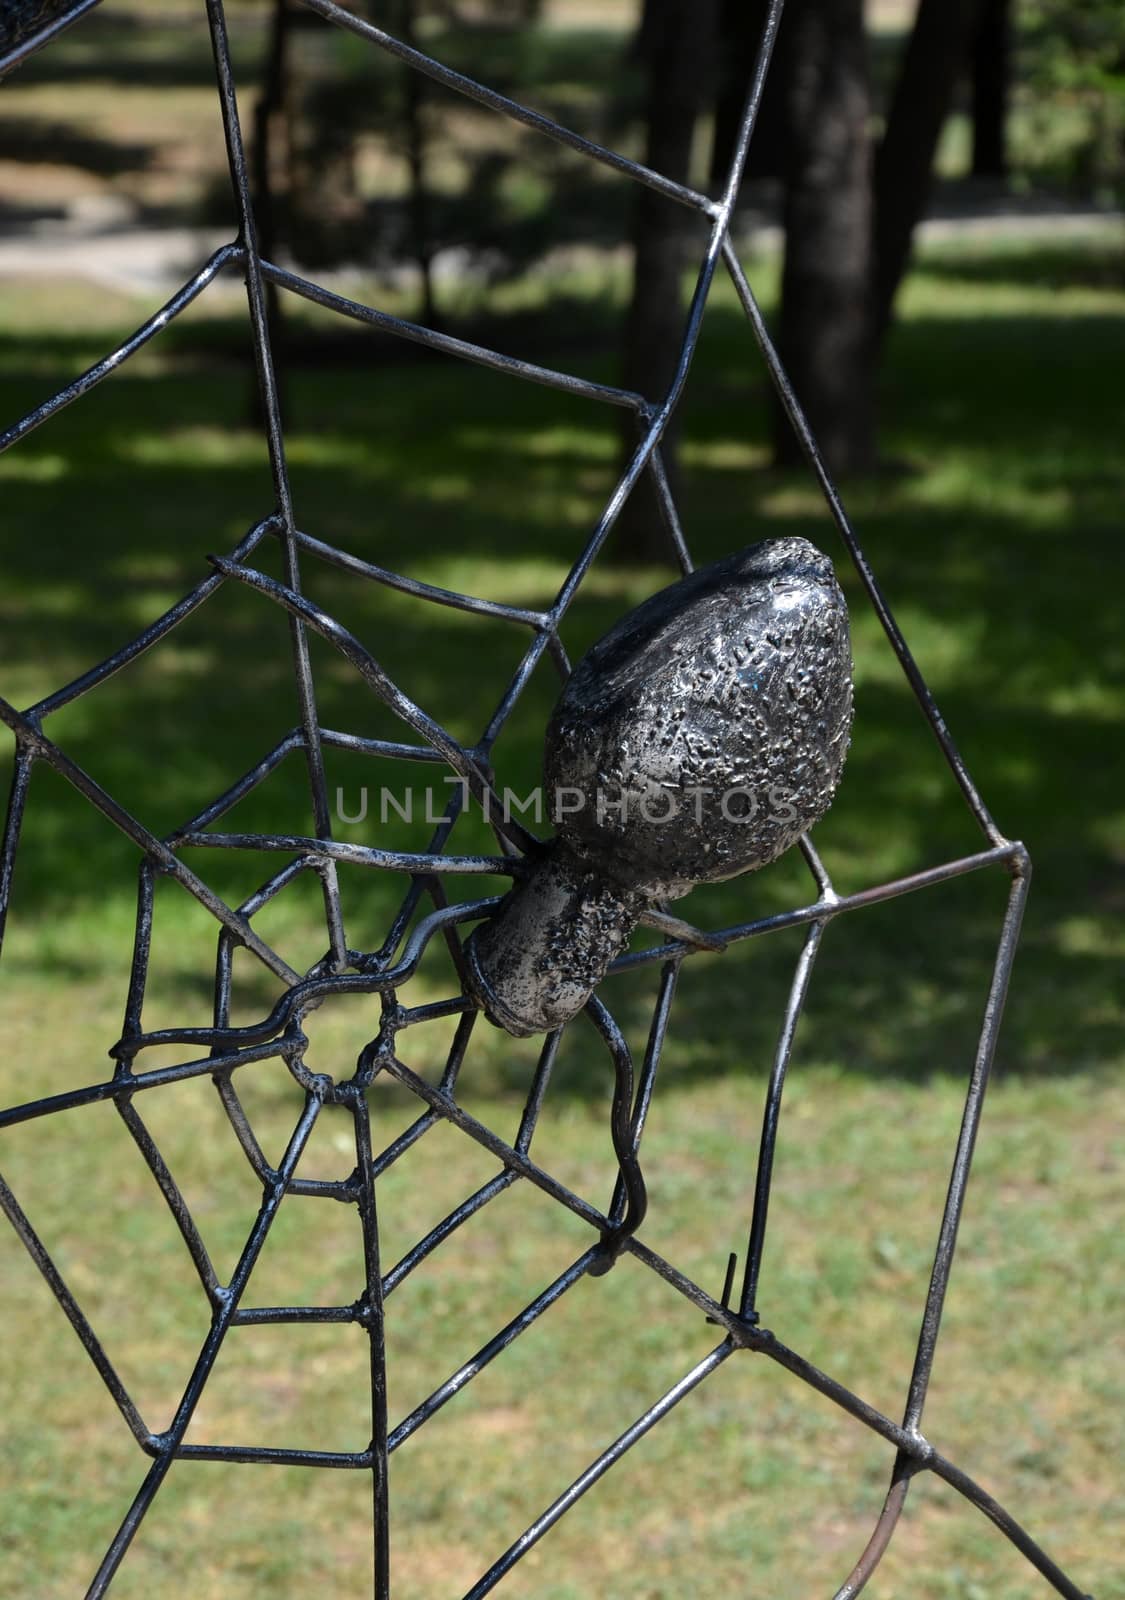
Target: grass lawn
[(999, 546)]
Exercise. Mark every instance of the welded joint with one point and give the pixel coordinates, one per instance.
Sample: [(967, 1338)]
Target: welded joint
[(165, 863), (317, 1084), (217, 1295), (1019, 861), (293, 1043), (613, 1241), (348, 1094), (351, 1190), (742, 1327), (743, 1330), (379, 1050), (918, 1449)]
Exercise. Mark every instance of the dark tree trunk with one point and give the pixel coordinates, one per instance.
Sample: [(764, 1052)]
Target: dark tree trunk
[(676, 43), (824, 330), (934, 57), (991, 68), (414, 93), (741, 24), (269, 115)]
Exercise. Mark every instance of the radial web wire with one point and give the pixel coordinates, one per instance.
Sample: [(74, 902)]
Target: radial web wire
[(227, 1053)]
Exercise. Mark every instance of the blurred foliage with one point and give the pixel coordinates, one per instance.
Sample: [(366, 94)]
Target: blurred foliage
[(1072, 67), (370, 141)]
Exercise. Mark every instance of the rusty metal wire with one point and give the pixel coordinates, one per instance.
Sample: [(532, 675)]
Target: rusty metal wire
[(223, 1051)]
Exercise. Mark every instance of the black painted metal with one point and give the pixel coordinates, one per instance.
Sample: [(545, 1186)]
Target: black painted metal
[(222, 1051)]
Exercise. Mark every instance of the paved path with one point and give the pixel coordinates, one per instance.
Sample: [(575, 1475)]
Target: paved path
[(139, 261)]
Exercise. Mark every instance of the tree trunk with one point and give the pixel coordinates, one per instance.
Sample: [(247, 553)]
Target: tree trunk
[(269, 112), (935, 54), (676, 43), (414, 92), (741, 24), (991, 66), (824, 328)]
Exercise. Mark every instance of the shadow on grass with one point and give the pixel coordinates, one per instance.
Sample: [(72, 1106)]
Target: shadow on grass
[(42, 141)]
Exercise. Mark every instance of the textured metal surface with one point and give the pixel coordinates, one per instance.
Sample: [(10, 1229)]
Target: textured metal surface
[(698, 740), (27, 25), (227, 1054)]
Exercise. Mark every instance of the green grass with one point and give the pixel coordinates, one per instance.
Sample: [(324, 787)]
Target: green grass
[(999, 547)]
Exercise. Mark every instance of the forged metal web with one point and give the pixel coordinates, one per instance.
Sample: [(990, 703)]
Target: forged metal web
[(222, 1051)]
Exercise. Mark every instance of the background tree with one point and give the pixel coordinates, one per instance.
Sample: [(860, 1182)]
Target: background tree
[(990, 69), (675, 48), (342, 105), (824, 327), (849, 213), (741, 25), (414, 87), (268, 163), (932, 62), (1072, 59), (849, 207)]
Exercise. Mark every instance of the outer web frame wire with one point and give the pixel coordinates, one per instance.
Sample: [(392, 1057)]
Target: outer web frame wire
[(223, 1052)]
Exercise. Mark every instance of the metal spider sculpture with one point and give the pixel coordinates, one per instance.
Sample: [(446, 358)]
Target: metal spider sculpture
[(226, 1053)]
